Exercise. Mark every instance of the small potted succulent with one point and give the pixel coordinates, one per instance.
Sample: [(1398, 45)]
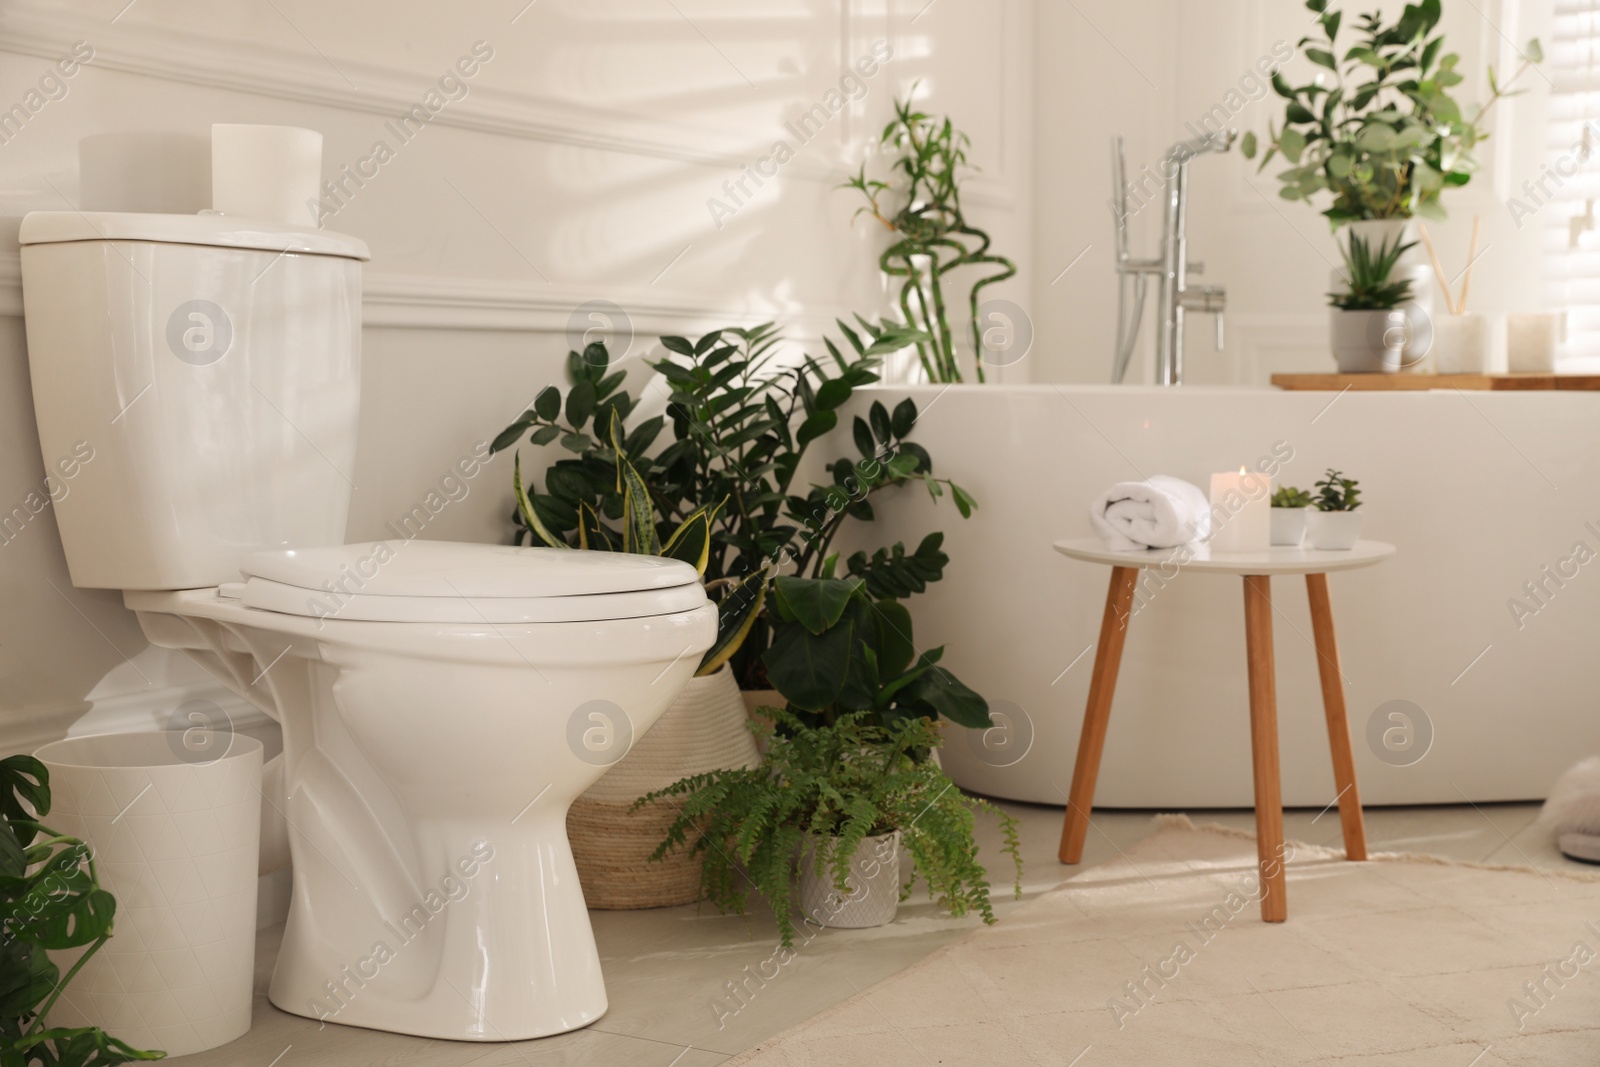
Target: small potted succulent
[(1368, 325), (1336, 524), (1290, 506)]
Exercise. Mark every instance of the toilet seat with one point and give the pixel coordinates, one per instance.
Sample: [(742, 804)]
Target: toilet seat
[(448, 582)]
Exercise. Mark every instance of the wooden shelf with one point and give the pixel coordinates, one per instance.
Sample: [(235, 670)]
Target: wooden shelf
[(1417, 382)]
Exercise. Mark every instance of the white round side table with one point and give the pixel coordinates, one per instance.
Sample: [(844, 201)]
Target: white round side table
[(1257, 569)]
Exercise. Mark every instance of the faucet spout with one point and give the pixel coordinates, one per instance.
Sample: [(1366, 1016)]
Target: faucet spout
[(1171, 269)]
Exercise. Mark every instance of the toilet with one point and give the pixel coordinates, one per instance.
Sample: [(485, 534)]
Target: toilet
[(441, 704)]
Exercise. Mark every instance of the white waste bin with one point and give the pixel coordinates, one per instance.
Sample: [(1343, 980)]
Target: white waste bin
[(175, 830)]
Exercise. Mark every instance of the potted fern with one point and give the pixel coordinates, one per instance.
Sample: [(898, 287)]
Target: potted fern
[(838, 800), (1368, 325), (1290, 506)]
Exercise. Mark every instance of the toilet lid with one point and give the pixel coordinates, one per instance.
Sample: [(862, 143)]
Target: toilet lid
[(442, 581)]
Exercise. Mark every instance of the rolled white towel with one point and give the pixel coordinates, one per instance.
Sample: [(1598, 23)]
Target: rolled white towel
[(1161, 512)]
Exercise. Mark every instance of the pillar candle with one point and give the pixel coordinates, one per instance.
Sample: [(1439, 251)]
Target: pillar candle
[(1241, 516)]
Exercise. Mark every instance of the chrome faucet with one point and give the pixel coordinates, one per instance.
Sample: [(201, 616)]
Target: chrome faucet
[(1172, 268)]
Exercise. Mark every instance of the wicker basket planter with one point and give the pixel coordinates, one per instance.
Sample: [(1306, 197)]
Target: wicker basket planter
[(704, 730)]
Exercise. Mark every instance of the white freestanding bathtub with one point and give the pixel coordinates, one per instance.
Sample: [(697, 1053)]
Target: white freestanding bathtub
[(1493, 499)]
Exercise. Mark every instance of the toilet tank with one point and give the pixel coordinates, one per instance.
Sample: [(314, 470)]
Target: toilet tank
[(196, 382)]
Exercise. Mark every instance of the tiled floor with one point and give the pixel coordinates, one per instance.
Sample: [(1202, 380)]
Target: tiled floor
[(667, 970)]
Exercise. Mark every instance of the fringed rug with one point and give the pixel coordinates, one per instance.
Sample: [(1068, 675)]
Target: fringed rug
[(1160, 957)]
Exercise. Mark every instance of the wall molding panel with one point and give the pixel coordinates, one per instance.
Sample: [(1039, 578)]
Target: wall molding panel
[(179, 55)]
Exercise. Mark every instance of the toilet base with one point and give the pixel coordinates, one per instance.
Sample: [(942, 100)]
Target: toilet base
[(424, 968)]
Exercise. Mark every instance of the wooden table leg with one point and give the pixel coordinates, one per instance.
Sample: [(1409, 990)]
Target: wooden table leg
[(1097, 712), (1264, 746), (1344, 764)]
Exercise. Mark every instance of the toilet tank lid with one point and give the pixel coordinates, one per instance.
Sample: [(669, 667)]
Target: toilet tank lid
[(451, 569), (218, 231)]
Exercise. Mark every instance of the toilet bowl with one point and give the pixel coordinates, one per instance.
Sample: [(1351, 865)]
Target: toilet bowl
[(433, 742), (441, 704)]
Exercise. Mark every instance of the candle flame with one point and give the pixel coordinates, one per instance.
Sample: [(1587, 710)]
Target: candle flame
[(1241, 468)]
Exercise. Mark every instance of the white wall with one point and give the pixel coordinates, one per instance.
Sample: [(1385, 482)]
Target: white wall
[(1143, 68), (578, 167)]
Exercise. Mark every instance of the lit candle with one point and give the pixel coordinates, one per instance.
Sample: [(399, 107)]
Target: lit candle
[(1241, 519)]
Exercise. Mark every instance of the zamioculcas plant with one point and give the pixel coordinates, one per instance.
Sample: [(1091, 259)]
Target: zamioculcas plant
[(723, 491), (921, 206), (50, 899)]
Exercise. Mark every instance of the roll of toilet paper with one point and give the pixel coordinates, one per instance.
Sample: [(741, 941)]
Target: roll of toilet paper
[(268, 173), (166, 173)]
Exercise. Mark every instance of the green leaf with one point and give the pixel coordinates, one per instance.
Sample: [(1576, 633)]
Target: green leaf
[(1291, 143), (815, 426), (882, 425), (1534, 52), (895, 647), (809, 669), (576, 442), (1321, 59), (638, 510), (737, 612), (581, 400), (863, 438), (1247, 144), (691, 542), (815, 603), (525, 506), (832, 393), (23, 781), (544, 435), (678, 345), (941, 692), (547, 405), (904, 418)]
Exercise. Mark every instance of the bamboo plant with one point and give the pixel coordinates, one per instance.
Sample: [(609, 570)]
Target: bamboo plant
[(932, 236)]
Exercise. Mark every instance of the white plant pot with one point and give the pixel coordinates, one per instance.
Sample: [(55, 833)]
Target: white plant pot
[(874, 882), (1464, 344), (1289, 526), (1416, 355), (1368, 342), (176, 839), (1334, 530)]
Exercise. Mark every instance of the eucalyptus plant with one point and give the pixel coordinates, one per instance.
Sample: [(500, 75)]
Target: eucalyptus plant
[(932, 236), (50, 900), (819, 791), (1377, 126), (723, 492)]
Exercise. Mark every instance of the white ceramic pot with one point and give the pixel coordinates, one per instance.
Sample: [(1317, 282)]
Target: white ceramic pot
[(1289, 526), (1368, 342), (176, 836), (874, 882), (1334, 530), (1416, 355)]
